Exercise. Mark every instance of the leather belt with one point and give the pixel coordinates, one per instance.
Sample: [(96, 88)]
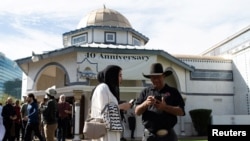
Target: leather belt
[(162, 132)]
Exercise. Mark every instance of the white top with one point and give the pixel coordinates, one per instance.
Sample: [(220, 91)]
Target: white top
[(2, 128), (1, 118), (101, 96)]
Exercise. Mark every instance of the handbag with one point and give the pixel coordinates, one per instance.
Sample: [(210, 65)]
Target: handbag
[(94, 128), (112, 118)]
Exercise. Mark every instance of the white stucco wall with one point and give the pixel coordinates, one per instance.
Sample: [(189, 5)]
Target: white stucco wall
[(231, 119), (241, 64)]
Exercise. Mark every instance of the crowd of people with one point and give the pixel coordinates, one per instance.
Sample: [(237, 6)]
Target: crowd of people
[(159, 105), (45, 121)]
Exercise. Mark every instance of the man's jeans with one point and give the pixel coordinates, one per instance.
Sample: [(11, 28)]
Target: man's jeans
[(62, 129)]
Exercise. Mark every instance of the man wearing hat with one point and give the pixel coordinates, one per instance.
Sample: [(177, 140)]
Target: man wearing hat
[(49, 111), (159, 105)]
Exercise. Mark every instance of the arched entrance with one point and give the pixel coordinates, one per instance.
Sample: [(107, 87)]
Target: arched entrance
[(52, 74)]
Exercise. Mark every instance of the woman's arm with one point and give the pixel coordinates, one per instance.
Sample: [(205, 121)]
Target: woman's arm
[(125, 106)]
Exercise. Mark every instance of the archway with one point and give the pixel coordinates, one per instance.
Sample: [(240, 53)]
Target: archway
[(52, 74)]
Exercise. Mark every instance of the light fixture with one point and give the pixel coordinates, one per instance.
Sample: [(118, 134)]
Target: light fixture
[(34, 58)]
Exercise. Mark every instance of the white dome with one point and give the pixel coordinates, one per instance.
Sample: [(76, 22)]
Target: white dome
[(104, 17)]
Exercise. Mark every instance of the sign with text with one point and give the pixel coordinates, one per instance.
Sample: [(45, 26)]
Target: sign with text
[(226, 132), (133, 65)]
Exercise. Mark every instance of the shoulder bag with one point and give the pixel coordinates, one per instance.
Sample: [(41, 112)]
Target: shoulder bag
[(94, 128), (112, 118)]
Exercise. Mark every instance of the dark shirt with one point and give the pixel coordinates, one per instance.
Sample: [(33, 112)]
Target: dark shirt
[(61, 110), (50, 112), (154, 119), (33, 113), (18, 113), (23, 110), (8, 110)]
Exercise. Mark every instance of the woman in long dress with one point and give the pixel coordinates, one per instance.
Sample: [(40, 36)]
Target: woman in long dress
[(108, 91)]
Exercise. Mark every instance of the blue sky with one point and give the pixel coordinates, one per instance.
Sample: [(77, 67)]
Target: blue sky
[(176, 26)]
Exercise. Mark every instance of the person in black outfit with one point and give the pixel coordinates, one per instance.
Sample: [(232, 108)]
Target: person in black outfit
[(123, 122), (159, 105), (9, 115), (131, 122), (32, 119), (49, 112)]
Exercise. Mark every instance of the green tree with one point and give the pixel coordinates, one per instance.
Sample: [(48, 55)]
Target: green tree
[(3, 98), (13, 88), (201, 118)]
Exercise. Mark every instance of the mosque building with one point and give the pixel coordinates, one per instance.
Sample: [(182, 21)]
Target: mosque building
[(216, 80)]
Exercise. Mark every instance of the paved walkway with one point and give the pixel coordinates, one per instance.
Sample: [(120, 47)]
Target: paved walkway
[(138, 139), (181, 137)]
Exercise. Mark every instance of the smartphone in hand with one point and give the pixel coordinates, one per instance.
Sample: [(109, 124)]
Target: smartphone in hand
[(158, 97), (132, 102)]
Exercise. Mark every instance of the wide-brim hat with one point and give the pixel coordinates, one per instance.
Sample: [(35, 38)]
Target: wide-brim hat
[(51, 92), (157, 69)]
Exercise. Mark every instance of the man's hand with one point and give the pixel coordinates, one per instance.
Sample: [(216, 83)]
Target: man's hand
[(139, 109), (160, 104), (67, 111), (13, 117), (149, 101), (25, 118)]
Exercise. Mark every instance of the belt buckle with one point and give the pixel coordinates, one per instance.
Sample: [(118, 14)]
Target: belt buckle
[(162, 132)]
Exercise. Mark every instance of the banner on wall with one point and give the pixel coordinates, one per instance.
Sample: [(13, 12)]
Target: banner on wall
[(133, 65)]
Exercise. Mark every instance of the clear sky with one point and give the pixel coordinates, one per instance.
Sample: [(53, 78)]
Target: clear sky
[(176, 26)]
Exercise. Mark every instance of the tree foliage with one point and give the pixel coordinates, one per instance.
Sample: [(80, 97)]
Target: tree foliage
[(13, 88), (201, 118), (3, 98)]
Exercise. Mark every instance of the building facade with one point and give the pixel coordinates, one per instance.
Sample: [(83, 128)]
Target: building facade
[(106, 37), (237, 47), (10, 77)]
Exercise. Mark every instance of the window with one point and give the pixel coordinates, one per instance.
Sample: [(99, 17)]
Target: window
[(212, 75), (136, 42), (110, 37), (78, 40)]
